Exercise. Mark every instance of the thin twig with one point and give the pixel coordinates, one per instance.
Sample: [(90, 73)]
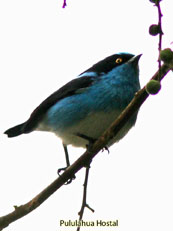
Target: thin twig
[(112, 131), (64, 4), (84, 203), (160, 32)]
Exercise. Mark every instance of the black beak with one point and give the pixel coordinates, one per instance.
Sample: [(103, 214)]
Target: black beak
[(135, 59)]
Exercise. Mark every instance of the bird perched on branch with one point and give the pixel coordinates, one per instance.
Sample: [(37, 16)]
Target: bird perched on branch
[(80, 111)]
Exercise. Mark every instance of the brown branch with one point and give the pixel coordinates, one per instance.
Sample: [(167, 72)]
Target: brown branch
[(84, 203), (134, 105)]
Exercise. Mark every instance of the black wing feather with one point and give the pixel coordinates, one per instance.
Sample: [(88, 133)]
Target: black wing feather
[(67, 90)]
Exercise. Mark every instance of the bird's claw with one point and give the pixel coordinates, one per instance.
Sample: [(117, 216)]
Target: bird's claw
[(106, 148), (69, 180)]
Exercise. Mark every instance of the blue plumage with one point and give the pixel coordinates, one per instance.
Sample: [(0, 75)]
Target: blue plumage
[(86, 106)]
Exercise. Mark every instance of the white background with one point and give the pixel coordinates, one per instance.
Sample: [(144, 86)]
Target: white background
[(43, 46)]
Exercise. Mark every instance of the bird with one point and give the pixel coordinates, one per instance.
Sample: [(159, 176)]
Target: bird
[(81, 110)]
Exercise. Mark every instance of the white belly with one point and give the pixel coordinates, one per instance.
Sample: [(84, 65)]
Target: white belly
[(92, 126)]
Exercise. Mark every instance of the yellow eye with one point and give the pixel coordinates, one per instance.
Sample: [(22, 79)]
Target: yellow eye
[(118, 60)]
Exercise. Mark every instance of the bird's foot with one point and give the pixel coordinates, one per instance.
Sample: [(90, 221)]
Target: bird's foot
[(69, 180), (85, 137), (91, 141), (106, 148)]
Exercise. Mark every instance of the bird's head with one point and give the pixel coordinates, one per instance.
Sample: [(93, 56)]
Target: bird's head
[(111, 63)]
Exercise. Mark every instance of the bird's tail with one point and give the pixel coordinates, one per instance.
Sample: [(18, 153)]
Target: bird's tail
[(15, 131)]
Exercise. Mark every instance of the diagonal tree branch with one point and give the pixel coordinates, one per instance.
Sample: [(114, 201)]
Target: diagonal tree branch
[(134, 105)]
